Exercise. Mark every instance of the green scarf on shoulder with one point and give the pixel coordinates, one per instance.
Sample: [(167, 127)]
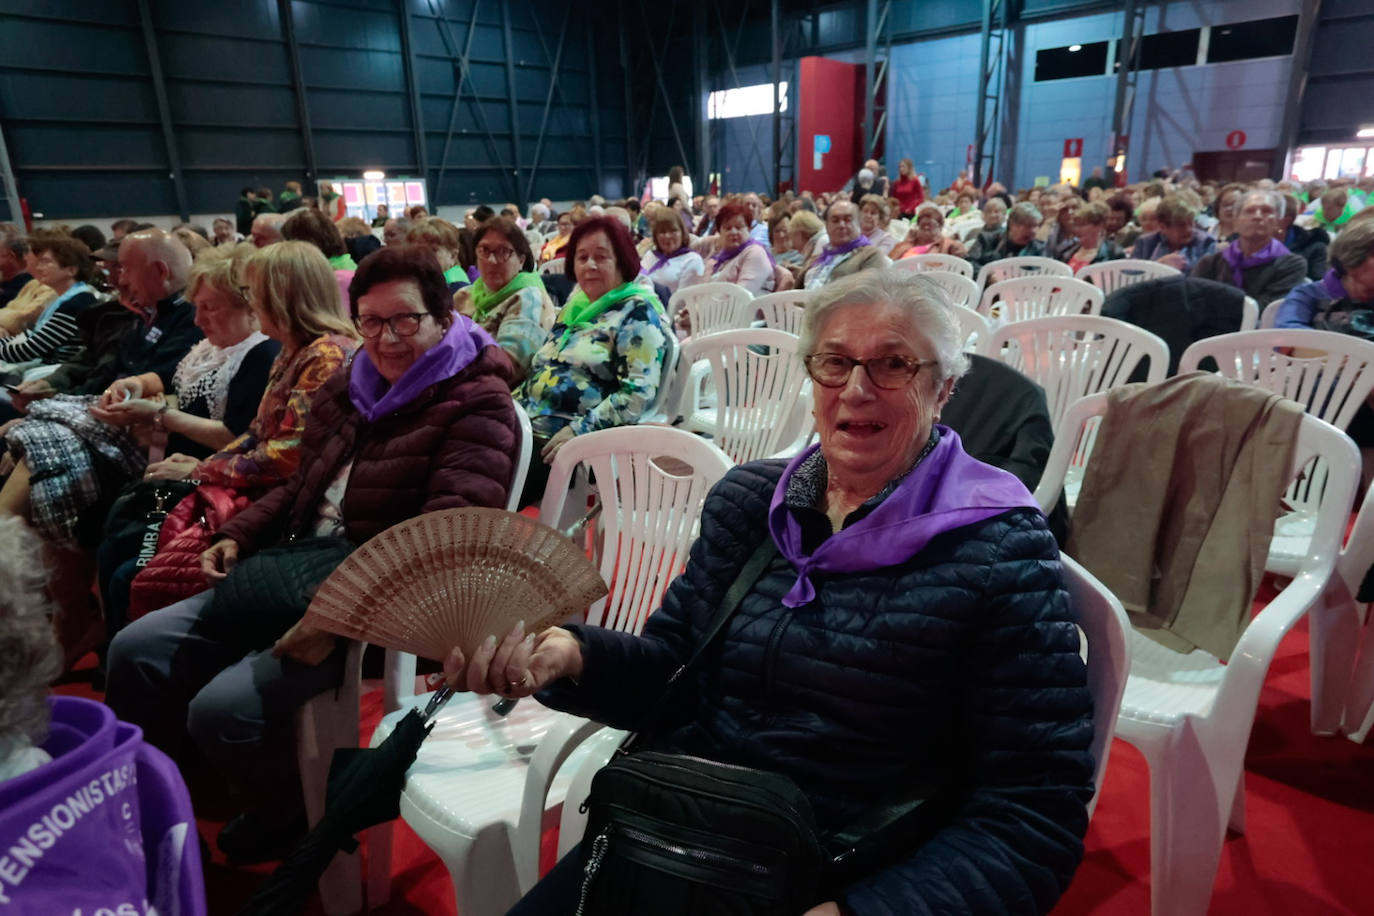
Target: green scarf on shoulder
[(580, 311), (484, 299), (343, 262)]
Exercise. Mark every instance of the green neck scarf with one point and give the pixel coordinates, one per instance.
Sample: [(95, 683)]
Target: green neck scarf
[(483, 298), (580, 311), (343, 262), (456, 273)]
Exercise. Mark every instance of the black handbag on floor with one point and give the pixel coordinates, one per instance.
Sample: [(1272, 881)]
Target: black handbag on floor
[(672, 834), (135, 520)]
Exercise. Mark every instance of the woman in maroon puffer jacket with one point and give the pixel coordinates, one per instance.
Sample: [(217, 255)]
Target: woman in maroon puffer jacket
[(421, 420)]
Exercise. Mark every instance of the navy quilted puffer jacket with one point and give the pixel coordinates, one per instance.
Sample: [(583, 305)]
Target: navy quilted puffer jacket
[(958, 668)]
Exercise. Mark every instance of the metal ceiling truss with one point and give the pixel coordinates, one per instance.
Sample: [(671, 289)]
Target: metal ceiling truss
[(991, 79), (879, 20), (1127, 72)]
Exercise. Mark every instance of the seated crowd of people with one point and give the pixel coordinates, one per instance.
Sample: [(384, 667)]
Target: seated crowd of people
[(296, 374)]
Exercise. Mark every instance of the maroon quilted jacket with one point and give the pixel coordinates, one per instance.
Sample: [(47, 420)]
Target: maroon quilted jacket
[(454, 445)]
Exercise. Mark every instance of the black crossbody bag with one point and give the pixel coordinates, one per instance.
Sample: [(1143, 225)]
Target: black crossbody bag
[(673, 834)]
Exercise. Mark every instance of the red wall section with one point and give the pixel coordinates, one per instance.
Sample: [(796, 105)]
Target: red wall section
[(826, 102)]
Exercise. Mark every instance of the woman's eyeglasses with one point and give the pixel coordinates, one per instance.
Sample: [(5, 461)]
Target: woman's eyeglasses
[(403, 324), (495, 254), (832, 370)]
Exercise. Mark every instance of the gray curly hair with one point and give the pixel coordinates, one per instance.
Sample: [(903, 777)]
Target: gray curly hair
[(925, 302), (29, 654)]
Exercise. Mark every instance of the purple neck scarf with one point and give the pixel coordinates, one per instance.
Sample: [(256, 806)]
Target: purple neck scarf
[(832, 252), (1333, 285), (665, 258), (374, 398), (729, 254), (1240, 263), (946, 490)]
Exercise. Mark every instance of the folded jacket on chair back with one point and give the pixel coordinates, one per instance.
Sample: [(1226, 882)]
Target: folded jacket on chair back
[(1178, 504)]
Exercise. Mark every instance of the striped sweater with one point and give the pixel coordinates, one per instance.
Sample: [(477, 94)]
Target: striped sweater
[(53, 338)]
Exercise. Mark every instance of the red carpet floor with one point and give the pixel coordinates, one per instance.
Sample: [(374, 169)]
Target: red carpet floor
[(1309, 839)]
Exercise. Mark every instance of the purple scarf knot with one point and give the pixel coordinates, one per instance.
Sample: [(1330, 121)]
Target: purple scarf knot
[(459, 346), (729, 254), (665, 258), (948, 489), (831, 252), (1240, 263)]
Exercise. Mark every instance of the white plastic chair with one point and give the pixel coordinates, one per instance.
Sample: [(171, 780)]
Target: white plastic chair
[(463, 793), (1110, 276), (1270, 316), (919, 263), (713, 307), (1036, 297), (783, 311), (554, 266), (1249, 315), (974, 330), (1189, 714), (1075, 355), (1330, 375), (962, 291), (1097, 612), (761, 390), (330, 721), (324, 724), (1028, 266), (1348, 624)]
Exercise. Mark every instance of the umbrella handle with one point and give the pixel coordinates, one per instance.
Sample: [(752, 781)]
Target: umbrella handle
[(437, 703)]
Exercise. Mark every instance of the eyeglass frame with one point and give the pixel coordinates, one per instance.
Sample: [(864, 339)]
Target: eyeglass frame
[(389, 322), (490, 255), (914, 366)]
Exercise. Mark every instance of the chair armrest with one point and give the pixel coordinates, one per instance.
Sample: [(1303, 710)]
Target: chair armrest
[(562, 738)]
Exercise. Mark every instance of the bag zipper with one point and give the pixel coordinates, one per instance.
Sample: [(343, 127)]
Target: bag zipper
[(700, 855), (593, 864)]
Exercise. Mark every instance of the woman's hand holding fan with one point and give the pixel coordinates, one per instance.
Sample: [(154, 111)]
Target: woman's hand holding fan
[(519, 666)]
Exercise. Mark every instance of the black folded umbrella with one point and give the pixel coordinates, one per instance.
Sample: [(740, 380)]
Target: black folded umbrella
[(364, 789)]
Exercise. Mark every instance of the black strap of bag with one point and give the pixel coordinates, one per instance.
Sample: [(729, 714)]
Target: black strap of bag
[(751, 573)]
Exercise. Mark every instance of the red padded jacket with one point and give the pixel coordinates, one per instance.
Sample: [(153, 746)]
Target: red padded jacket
[(455, 445)]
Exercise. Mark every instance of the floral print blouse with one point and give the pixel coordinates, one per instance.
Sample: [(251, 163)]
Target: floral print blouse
[(604, 376), (270, 451)]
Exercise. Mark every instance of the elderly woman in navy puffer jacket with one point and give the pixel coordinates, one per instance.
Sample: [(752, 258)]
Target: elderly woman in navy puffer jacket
[(913, 630)]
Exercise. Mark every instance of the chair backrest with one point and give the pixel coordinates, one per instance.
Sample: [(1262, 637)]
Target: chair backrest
[(1232, 711), (783, 311), (1028, 266), (666, 379), (923, 262), (398, 675), (1103, 621), (1075, 355), (1329, 374), (554, 266), (535, 238), (714, 307), (652, 481), (1270, 316), (962, 291), (1110, 276), (1249, 314), (1038, 296), (760, 383), (974, 330)]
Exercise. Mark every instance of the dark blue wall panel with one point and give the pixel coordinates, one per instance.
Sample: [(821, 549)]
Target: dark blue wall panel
[(80, 116)]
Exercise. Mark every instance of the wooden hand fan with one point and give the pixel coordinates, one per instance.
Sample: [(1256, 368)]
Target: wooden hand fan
[(453, 578)]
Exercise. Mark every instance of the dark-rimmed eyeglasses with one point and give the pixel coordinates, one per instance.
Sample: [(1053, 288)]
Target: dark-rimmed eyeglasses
[(495, 254), (402, 324), (832, 370)]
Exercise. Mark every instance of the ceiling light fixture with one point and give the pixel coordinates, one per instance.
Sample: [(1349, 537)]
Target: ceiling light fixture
[(374, 175)]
